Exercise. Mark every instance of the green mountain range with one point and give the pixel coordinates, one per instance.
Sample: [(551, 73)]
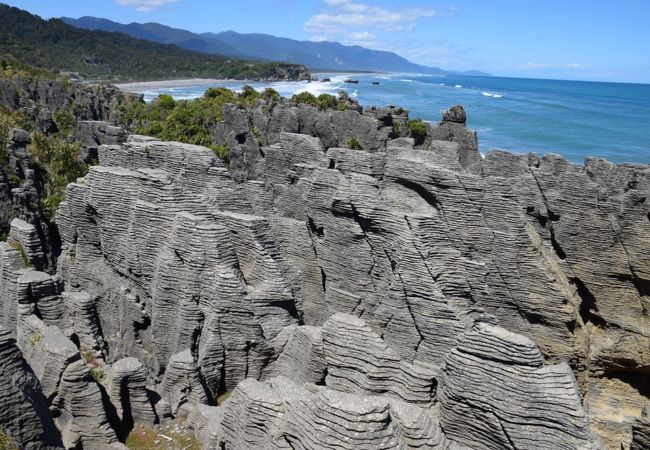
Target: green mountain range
[(55, 45), (315, 55)]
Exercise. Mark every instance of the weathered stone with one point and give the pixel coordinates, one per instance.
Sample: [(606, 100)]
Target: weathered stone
[(80, 413), (24, 414), (279, 414), (183, 382), (497, 393), (126, 386)]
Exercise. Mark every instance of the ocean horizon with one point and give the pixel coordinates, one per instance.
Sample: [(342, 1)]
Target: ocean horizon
[(576, 119)]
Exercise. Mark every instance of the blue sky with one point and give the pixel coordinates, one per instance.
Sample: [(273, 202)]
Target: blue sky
[(566, 39)]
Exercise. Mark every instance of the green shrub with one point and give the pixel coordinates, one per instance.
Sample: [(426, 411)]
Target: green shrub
[(224, 94), (327, 101), (270, 94), (35, 339), (353, 144), (60, 164), (249, 95), (306, 98), (166, 101), (65, 121), (222, 151), (396, 129), (98, 374), (6, 442), (418, 128), (8, 121)]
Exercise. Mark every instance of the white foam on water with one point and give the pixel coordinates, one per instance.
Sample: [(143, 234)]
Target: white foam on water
[(405, 80), (490, 94), (458, 86)]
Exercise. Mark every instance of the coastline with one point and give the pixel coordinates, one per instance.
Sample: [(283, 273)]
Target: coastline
[(139, 87)]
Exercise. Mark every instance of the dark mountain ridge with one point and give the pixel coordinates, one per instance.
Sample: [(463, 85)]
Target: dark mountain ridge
[(323, 55), (55, 45)]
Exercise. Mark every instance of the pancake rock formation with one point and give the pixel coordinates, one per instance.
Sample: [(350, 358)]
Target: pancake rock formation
[(400, 296)]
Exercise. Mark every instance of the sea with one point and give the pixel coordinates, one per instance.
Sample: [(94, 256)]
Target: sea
[(575, 119)]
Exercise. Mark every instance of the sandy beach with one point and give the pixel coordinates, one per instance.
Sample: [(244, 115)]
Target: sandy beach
[(142, 86)]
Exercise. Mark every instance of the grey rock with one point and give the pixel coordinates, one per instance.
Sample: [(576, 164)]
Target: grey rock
[(80, 413), (497, 393), (82, 321), (388, 269), (452, 128), (360, 362), (26, 236), (299, 355), (455, 114), (49, 353), (183, 383), (641, 430), (126, 386), (279, 414), (24, 414), (20, 137), (92, 134)]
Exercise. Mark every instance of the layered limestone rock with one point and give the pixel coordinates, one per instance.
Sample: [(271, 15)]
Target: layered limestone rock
[(359, 361), (79, 407), (497, 393), (409, 294), (279, 414), (24, 415), (183, 382), (246, 131), (641, 430), (126, 383), (25, 237), (420, 243), (55, 380)]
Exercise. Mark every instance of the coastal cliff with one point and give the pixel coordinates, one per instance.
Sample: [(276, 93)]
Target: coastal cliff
[(402, 293)]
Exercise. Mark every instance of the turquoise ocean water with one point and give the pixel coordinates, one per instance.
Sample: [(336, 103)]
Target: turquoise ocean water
[(573, 118)]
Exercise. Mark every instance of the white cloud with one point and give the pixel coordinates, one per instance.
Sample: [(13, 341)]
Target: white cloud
[(145, 5), (347, 16), (533, 66), (364, 36)]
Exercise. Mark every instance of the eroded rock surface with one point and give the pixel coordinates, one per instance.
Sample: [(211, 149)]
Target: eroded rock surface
[(398, 296)]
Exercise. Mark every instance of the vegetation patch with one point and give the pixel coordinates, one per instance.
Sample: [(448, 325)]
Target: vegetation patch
[(145, 438), (90, 358), (418, 128), (98, 374), (34, 339), (59, 164), (55, 45), (6, 442), (322, 102), (353, 144), (23, 254), (8, 121), (190, 121), (222, 398)]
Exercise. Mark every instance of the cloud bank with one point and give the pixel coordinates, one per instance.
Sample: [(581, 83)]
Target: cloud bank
[(145, 5), (350, 21)]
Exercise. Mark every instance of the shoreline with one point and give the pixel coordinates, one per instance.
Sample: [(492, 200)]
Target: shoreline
[(139, 86)]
